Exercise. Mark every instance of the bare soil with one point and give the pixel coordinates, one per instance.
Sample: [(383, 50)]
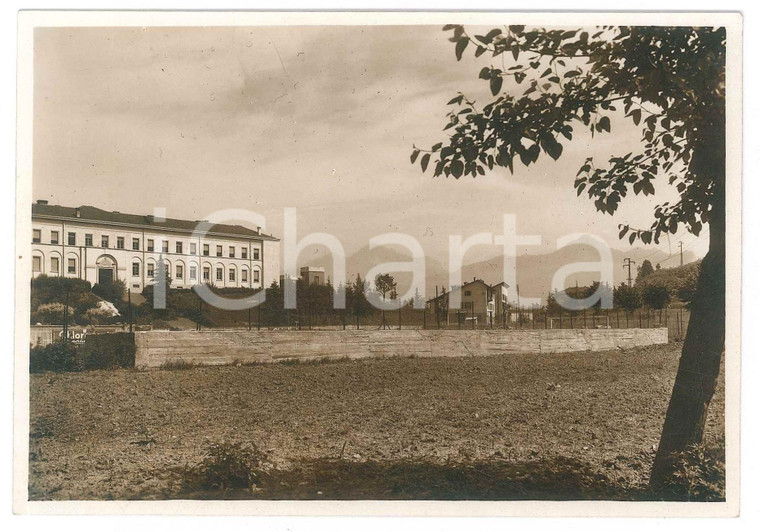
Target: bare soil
[(518, 426)]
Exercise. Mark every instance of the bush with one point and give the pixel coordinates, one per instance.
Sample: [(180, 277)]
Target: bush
[(113, 291), (103, 351), (230, 466), (656, 296), (53, 290), (107, 351), (57, 357), (699, 475), (51, 313)]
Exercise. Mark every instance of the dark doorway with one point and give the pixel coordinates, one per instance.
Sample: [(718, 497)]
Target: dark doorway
[(105, 275)]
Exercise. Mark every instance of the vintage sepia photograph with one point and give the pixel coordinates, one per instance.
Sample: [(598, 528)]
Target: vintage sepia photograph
[(399, 257)]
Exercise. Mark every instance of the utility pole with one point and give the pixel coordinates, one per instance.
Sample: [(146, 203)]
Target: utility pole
[(627, 264), (680, 245)]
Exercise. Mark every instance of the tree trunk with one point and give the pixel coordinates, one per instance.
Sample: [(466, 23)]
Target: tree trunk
[(703, 348)]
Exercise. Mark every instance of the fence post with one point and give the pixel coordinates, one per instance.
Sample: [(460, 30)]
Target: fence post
[(399, 318), (258, 326), (424, 319)]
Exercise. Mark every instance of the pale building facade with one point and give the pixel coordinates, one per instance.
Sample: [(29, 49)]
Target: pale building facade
[(480, 301), (96, 245)]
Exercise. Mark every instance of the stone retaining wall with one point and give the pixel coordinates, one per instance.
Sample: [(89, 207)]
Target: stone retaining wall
[(155, 348)]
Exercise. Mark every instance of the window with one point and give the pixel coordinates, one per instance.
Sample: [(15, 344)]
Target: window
[(36, 236), (255, 253), (88, 240), (72, 239), (219, 274), (206, 273), (136, 269), (53, 237), (467, 293), (205, 250), (136, 244), (193, 273), (467, 305), (244, 253), (54, 265), (165, 246), (178, 247), (232, 252), (179, 271), (36, 264), (150, 244), (232, 274), (218, 251), (256, 276), (120, 242), (72, 265), (193, 248), (244, 276), (151, 270), (104, 241)]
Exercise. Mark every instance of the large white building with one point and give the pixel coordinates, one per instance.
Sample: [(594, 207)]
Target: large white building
[(96, 245)]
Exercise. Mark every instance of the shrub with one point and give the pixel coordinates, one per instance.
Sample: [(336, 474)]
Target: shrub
[(53, 290), (107, 351), (699, 475), (230, 466), (656, 296), (103, 351), (57, 356), (113, 291), (51, 313), (172, 365)]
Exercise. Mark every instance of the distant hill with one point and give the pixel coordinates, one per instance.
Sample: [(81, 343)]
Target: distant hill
[(534, 272)]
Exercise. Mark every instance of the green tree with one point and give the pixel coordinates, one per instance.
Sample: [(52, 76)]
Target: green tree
[(656, 296), (627, 297), (645, 271), (669, 81)]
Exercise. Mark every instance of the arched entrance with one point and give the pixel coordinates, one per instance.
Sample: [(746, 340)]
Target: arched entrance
[(106, 266)]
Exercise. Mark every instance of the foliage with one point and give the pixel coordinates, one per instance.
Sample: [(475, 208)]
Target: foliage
[(681, 281), (670, 81), (51, 313), (231, 466), (699, 475), (655, 296), (101, 351), (112, 291), (58, 356), (627, 297), (52, 290), (384, 283), (645, 271)]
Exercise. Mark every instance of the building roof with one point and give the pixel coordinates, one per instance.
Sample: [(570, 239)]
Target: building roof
[(86, 213)]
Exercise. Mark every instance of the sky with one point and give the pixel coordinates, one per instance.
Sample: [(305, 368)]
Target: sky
[(323, 119)]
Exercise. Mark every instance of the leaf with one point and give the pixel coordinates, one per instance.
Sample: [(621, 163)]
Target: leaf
[(495, 84), (457, 168), (623, 232), (456, 100), (604, 124), (415, 153), (551, 146), (479, 51), (461, 45), (485, 73), (425, 161), (636, 115), (437, 147), (632, 238)]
